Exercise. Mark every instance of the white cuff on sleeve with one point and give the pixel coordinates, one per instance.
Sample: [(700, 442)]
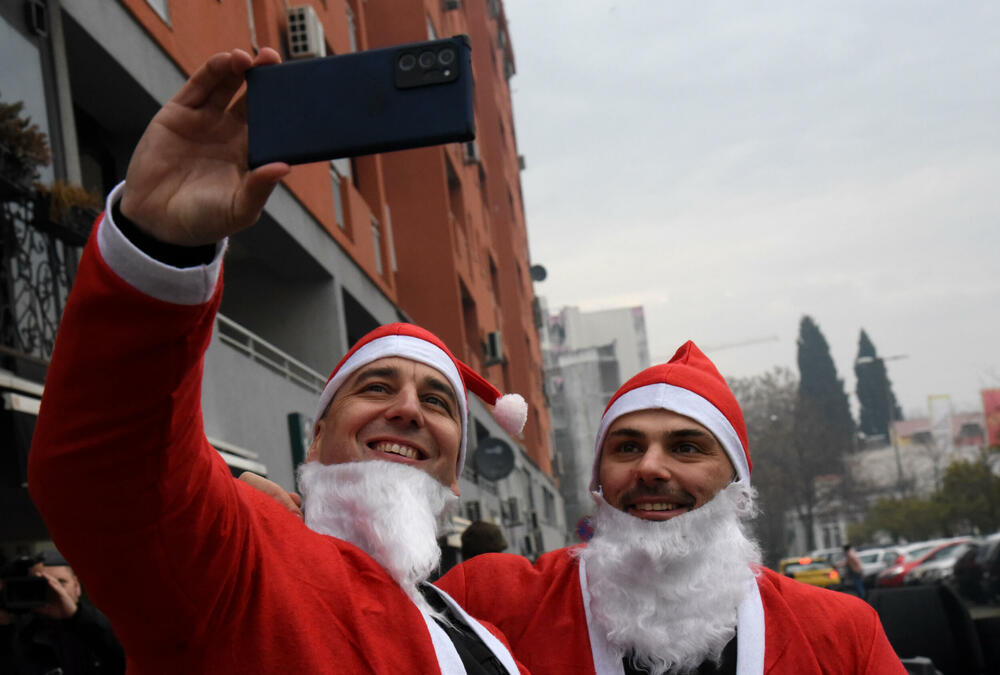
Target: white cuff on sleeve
[(177, 285)]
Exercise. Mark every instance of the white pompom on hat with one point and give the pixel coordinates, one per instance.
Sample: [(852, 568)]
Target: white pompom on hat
[(409, 341)]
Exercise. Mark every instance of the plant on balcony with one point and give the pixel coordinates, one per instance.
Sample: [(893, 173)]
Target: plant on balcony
[(23, 148), (67, 209)]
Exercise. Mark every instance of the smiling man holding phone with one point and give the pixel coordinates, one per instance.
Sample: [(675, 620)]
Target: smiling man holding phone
[(197, 571)]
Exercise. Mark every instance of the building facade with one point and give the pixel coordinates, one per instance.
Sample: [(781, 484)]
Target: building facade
[(588, 355), (435, 236)]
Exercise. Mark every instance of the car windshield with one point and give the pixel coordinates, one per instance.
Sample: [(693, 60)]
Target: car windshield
[(869, 557), (918, 552), (948, 553), (802, 567)]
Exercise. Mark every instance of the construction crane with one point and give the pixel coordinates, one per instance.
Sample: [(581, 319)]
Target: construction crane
[(741, 343), (728, 345)]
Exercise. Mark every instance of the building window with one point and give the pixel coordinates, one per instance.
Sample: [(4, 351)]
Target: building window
[(473, 511), (393, 265), (352, 31), (161, 7), (338, 197), (549, 505), (377, 240)]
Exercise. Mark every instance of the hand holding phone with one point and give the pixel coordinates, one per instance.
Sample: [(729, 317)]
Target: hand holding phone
[(356, 104)]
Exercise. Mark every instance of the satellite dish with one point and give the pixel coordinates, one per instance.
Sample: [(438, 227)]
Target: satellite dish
[(494, 460), (538, 273)]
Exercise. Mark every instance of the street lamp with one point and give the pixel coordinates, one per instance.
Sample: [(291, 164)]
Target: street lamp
[(865, 360)]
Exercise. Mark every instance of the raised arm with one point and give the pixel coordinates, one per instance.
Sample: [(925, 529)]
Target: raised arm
[(120, 469)]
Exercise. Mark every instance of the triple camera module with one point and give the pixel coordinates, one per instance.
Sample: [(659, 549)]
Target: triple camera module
[(426, 65)]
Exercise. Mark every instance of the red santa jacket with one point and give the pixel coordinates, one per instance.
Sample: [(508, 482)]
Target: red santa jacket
[(197, 572), (541, 610)]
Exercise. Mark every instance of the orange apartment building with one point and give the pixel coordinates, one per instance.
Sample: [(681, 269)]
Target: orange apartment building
[(435, 236)]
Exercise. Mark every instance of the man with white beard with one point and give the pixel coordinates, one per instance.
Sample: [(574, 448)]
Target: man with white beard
[(198, 572), (670, 581)]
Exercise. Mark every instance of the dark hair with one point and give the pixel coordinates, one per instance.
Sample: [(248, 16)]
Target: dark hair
[(482, 537)]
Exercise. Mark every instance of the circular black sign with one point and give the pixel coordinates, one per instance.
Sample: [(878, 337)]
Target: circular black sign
[(494, 459)]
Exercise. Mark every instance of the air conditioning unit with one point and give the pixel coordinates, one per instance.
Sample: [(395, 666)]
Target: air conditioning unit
[(450, 4), (494, 348), (470, 152), (305, 33)]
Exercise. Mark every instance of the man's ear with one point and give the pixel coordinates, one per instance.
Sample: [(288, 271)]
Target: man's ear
[(313, 453)]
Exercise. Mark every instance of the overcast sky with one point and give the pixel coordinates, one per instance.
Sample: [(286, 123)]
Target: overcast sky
[(732, 166)]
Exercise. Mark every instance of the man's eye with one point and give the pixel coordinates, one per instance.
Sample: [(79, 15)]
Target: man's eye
[(629, 448), (376, 388), (687, 449), (437, 401)]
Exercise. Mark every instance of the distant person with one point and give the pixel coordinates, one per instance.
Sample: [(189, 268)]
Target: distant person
[(482, 537), (855, 573), (66, 635)]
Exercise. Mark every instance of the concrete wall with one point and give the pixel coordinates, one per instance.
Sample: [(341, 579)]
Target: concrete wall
[(624, 326)]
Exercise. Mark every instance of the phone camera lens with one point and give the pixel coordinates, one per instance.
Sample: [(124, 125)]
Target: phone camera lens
[(407, 62), (426, 59), (446, 57)]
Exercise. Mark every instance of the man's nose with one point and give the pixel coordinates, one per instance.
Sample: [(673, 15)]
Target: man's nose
[(405, 407), (653, 466)]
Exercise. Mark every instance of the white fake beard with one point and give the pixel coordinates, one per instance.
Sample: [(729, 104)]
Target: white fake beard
[(390, 511), (667, 593)]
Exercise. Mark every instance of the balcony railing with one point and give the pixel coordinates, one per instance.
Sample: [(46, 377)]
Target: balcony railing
[(267, 355), (38, 261)]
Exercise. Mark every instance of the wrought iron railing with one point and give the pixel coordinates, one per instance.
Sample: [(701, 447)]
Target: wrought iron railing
[(38, 261)]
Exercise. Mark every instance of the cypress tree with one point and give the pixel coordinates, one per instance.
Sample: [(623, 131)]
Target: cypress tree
[(824, 428), (823, 402), (874, 389)]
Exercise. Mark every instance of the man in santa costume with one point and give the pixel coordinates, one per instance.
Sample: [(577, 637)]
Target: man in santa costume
[(670, 581), (200, 573)]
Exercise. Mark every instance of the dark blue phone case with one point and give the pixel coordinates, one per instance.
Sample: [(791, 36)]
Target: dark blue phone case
[(349, 105)]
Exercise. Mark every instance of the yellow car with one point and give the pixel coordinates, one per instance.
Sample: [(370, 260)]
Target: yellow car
[(813, 571)]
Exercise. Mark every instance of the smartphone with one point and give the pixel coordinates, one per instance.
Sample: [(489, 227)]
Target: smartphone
[(379, 100)]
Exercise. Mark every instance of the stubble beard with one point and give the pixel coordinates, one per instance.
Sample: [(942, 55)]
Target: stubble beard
[(666, 593), (390, 511)]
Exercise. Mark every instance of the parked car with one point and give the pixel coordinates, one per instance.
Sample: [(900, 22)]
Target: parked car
[(808, 570), (988, 561), (874, 560), (977, 572), (835, 556), (939, 566), (909, 557)]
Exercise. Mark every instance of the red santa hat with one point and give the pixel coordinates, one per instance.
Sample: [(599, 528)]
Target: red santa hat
[(688, 384), (412, 342)]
